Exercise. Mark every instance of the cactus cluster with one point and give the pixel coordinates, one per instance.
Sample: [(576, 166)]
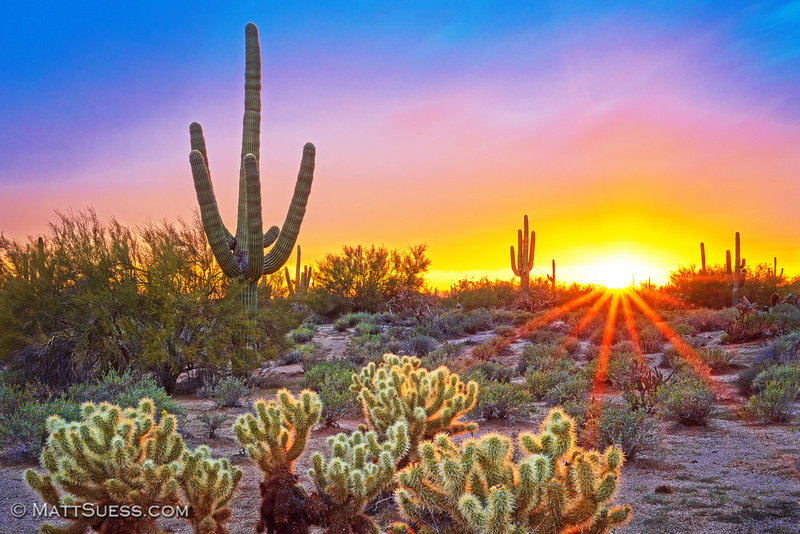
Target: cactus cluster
[(116, 457), (241, 255), (429, 402), (360, 468), (736, 274), (522, 261), (478, 488)]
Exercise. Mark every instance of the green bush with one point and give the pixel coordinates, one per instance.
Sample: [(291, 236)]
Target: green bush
[(499, 400), (633, 430), (785, 318), (491, 371), (687, 399), (23, 432), (364, 349), (483, 293), (718, 360), (785, 375), (441, 355), (419, 345), (574, 388), (774, 402), (304, 334), (544, 357), (228, 392), (331, 380), (367, 328), (125, 390), (212, 422), (539, 383)]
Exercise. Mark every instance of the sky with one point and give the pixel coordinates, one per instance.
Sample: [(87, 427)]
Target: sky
[(628, 132)]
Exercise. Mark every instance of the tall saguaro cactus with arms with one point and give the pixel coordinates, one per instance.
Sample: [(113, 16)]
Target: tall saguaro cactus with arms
[(522, 261), (241, 254)]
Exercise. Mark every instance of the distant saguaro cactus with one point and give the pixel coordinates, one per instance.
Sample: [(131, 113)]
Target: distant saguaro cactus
[(522, 262), (552, 277), (302, 279), (736, 274), (702, 258), (241, 255)]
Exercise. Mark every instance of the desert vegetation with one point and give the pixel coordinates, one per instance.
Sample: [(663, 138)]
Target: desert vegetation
[(178, 365)]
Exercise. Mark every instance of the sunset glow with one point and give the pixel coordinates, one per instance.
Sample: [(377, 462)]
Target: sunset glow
[(620, 131)]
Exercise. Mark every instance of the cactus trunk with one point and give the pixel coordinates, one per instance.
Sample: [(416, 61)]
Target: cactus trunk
[(735, 273)]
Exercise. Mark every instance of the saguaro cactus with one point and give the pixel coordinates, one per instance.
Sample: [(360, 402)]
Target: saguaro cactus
[(736, 274), (702, 258), (302, 279), (552, 277), (241, 255), (522, 262)]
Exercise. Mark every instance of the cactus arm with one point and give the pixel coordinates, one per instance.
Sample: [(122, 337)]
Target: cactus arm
[(209, 213), (279, 253), (297, 268), (198, 143), (532, 245), (255, 248), (514, 262), (271, 235)]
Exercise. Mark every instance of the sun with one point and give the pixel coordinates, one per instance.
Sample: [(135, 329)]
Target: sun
[(617, 271)]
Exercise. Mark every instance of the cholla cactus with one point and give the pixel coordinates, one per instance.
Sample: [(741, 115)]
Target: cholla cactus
[(274, 437), (428, 401), (208, 485), (112, 457), (360, 468), (478, 489)]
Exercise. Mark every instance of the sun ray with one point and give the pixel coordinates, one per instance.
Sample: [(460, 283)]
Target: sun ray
[(687, 352), (601, 371), (591, 313), (630, 324)]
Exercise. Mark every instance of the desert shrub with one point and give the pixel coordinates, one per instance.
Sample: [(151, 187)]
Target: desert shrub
[(687, 399), (785, 318), (546, 358), (633, 430), (23, 432), (745, 379), (705, 320), (639, 385), (673, 359), (774, 402), (419, 345), (331, 380), (788, 376), (504, 330), (483, 293), (364, 349), (369, 277), (620, 360), (499, 400), (706, 290), (326, 304), (490, 348), (574, 388), (591, 352), (479, 320), (366, 328), (783, 350), (491, 371), (228, 392), (125, 390), (544, 336), (540, 382), (211, 422), (304, 334), (718, 360), (441, 355)]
